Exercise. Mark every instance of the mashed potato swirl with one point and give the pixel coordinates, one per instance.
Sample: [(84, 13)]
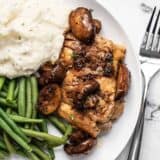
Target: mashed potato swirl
[(31, 33)]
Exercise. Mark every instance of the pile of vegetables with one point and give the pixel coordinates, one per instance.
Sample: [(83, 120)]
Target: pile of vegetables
[(23, 130)]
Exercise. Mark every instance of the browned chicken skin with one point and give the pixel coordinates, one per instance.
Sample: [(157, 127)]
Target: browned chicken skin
[(92, 81), (49, 99)]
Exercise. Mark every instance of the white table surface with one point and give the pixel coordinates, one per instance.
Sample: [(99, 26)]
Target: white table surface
[(134, 21)]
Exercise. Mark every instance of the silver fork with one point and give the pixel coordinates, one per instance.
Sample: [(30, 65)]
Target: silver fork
[(150, 65)]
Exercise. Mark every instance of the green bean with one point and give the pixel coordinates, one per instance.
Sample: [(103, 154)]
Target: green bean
[(39, 143), (4, 102), (44, 128), (3, 154), (9, 146), (32, 156), (14, 113), (2, 81), (29, 99), (21, 153), (58, 124), (34, 115), (5, 88), (13, 135), (68, 131), (34, 86), (13, 125), (11, 89), (16, 91), (21, 119), (2, 145), (3, 94), (40, 153), (21, 97), (51, 153), (8, 111), (51, 139)]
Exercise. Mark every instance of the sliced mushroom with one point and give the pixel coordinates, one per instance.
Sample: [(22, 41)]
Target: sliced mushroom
[(51, 73), (45, 74), (123, 81), (108, 70), (83, 147), (85, 90), (81, 24), (97, 24), (49, 99), (78, 136), (58, 73)]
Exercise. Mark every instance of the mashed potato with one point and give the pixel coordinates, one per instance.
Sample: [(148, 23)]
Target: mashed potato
[(31, 33)]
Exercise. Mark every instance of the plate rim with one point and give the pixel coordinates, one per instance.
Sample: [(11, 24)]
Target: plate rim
[(108, 10)]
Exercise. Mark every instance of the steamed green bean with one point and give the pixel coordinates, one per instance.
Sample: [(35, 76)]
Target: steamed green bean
[(21, 119), (29, 99), (13, 125), (51, 139), (57, 123), (4, 102), (2, 81), (9, 146), (14, 136), (11, 89), (40, 153), (21, 97)]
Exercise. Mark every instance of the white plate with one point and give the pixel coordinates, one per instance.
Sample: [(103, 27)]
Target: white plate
[(111, 144)]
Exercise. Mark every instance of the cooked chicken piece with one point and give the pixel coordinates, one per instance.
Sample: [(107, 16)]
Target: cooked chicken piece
[(49, 99), (102, 113), (98, 104), (104, 127), (81, 24), (91, 101), (119, 108), (123, 81), (94, 81), (119, 52), (66, 57), (103, 44), (78, 119)]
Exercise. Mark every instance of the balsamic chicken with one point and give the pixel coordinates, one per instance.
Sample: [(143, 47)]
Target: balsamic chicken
[(88, 83)]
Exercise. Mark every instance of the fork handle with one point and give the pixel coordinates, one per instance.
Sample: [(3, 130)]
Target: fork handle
[(135, 149), (136, 142)]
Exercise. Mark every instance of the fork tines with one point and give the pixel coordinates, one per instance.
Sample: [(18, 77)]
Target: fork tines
[(150, 46)]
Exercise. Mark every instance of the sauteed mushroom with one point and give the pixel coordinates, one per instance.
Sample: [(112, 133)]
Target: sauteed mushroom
[(80, 142), (123, 81), (81, 24), (50, 73), (97, 24)]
